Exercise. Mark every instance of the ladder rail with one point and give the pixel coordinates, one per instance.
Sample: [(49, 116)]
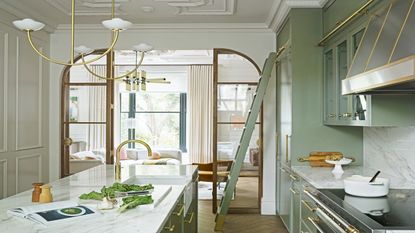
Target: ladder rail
[(245, 139)]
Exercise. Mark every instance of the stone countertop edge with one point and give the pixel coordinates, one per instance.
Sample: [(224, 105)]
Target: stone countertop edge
[(322, 178), (69, 188)]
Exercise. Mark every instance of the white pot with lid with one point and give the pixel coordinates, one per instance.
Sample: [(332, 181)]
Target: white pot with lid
[(357, 185)]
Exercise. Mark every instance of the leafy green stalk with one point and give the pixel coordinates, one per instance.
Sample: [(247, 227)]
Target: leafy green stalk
[(134, 201)]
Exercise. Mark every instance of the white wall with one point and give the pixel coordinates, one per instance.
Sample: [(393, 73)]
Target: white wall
[(256, 43), (24, 79)]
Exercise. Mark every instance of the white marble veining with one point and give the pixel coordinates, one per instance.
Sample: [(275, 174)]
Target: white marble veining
[(69, 188), (391, 150), (322, 178)]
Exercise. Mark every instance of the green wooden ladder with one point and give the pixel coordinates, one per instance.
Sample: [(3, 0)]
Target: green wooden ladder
[(245, 139)]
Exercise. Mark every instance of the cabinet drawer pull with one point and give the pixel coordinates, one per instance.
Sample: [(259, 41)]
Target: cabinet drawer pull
[(190, 220), (332, 115), (285, 170), (315, 224), (294, 178), (293, 191), (180, 212), (308, 206), (304, 232), (169, 228)]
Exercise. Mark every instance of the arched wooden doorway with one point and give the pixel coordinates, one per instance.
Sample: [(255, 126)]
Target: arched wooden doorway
[(233, 90), (86, 131)]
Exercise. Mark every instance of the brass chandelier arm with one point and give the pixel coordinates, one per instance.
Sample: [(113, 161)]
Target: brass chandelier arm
[(114, 41), (113, 78)]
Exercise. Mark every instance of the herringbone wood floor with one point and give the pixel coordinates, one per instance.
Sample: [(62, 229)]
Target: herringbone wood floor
[(238, 223), (246, 196)]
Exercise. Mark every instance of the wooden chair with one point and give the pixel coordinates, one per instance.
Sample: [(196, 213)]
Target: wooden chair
[(206, 171)]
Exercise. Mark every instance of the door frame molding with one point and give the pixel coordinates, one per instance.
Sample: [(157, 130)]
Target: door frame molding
[(64, 114), (216, 52)]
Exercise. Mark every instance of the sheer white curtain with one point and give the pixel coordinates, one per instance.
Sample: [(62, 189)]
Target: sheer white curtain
[(97, 111), (200, 106)]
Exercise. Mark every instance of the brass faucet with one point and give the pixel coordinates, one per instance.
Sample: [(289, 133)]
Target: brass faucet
[(118, 155)]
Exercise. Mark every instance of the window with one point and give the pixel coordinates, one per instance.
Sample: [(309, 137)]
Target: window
[(155, 117)]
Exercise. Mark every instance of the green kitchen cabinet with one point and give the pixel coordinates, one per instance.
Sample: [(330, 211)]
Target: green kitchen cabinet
[(175, 222), (357, 110), (284, 197), (295, 190), (300, 105)]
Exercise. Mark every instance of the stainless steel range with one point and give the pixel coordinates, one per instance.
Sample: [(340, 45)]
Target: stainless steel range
[(341, 212)]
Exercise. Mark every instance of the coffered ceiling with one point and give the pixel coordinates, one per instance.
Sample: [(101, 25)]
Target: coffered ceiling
[(261, 13)]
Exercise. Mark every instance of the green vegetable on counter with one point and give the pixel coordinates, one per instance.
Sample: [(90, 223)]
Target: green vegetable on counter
[(134, 201), (116, 187), (92, 196)]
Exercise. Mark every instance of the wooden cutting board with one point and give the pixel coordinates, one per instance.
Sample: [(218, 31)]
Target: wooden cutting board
[(317, 158)]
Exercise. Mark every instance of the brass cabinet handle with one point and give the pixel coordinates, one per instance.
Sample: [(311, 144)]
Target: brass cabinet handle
[(331, 115), (190, 220), (294, 178), (67, 141), (294, 191), (285, 170), (308, 206), (286, 147), (347, 114), (304, 231), (180, 212), (169, 228)]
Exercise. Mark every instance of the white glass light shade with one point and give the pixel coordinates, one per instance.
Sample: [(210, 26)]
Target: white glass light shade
[(82, 49), (28, 24), (143, 47), (116, 24)]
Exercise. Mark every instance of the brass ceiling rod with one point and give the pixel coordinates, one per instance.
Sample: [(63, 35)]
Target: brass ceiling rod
[(344, 22)]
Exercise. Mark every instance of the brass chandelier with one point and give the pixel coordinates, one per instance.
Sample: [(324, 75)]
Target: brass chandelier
[(116, 25)]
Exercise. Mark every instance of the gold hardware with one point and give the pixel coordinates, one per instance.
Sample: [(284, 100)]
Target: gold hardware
[(118, 155), (72, 56), (308, 206), (293, 191), (304, 232), (67, 141), (351, 229), (170, 228), (29, 37), (344, 22), (113, 78), (294, 178), (286, 147), (190, 220), (180, 212), (347, 114), (331, 115)]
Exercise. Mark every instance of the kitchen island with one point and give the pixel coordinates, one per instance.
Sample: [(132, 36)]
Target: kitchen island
[(181, 202)]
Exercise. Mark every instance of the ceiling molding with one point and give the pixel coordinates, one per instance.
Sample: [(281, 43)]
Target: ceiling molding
[(280, 9), (85, 8), (241, 27), (202, 7)]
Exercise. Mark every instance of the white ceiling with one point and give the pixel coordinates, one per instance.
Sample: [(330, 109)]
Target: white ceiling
[(268, 13)]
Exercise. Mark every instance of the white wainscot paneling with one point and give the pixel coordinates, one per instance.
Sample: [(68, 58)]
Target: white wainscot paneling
[(3, 178), (28, 171), (3, 89), (28, 97)]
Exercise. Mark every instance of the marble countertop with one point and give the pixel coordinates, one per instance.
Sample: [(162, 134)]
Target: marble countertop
[(69, 188), (322, 178)]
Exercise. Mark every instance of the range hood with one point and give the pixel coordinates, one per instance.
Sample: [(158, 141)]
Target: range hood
[(385, 59)]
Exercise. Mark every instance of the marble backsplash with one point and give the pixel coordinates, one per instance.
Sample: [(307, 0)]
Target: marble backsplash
[(391, 150)]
